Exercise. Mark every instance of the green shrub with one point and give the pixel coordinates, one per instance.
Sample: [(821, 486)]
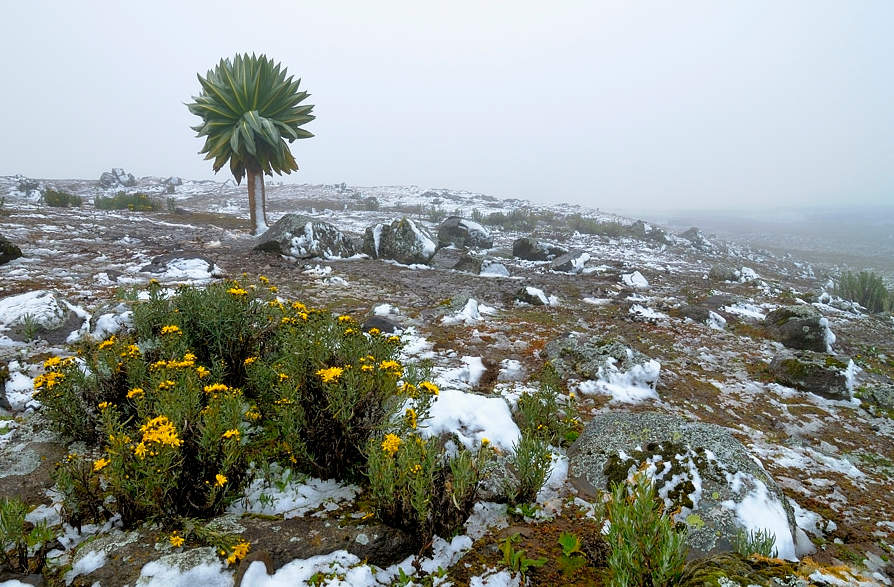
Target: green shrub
[(528, 470), (136, 202), (596, 227), (419, 484), (23, 551), (60, 199), (542, 414), (646, 548), (760, 542), (206, 382), (865, 288)]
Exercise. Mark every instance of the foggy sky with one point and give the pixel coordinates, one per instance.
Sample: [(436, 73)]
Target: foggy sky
[(619, 105)]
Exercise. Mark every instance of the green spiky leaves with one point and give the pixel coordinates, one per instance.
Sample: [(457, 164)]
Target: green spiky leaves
[(249, 109)]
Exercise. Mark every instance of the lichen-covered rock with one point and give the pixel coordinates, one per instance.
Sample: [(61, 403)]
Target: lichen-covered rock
[(402, 241), (593, 359), (40, 315), (572, 262), (697, 239), (8, 251), (304, 237), (461, 232), (701, 472), (469, 264), (643, 230), (532, 295), (721, 272), (532, 249), (800, 327), (819, 373)]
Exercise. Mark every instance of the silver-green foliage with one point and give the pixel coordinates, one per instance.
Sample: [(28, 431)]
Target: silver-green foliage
[(529, 469), (867, 289), (647, 550), (760, 542)]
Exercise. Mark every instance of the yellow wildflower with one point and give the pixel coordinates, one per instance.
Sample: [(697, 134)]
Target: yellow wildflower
[(48, 380), (99, 464), (202, 371), (263, 279), (298, 306), (215, 387), (411, 418), (166, 384), (345, 319), (231, 433), (283, 377), (249, 361), (367, 368), (52, 363), (176, 540), (410, 389), (331, 374), (140, 450), (160, 430), (237, 291), (393, 339), (429, 388), (485, 442), (220, 480), (171, 329), (416, 469), (104, 405), (375, 331), (391, 444), (239, 552), (107, 343), (131, 352), (135, 392), (273, 289)]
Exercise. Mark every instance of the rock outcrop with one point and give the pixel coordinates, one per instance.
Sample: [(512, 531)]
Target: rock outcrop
[(819, 373), (402, 241), (532, 249), (460, 232), (304, 237), (800, 327), (8, 251)]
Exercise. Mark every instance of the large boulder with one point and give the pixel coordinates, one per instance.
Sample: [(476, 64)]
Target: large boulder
[(721, 272), (800, 327), (572, 262), (402, 241), (40, 315), (704, 475), (304, 237), (819, 373), (468, 264), (460, 232), (182, 266), (532, 249), (697, 239), (117, 177), (610, 363), (8, 251)]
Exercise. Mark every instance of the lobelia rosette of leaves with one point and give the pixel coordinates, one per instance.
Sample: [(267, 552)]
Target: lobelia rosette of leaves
[(250, 107)]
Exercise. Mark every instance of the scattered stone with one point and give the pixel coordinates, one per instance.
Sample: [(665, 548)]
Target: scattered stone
[(494, 269), (469, 264), (644, 231), (40, 315), (304, 237), (697, 239), (636, 280), (464, 233), (819, 373), (592, 358), (382, 323), (697, 314), (182, 264), (402, 241), (800, 327), (572, 262), (532, 295), (721, 272), (531, 249), (8, 251), (701, 470)]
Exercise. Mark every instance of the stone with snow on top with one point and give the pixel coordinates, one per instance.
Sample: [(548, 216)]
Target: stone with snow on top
[(703, 474), (174, 181), (39, 315), (446, 258), (110, 318), (117, 178), (697, 239), (583, 357), (494, 269), (825, 375), (382, 323), (532, 295), (304, 237), (402, 241), (183, 266), (643, 230), (572, 262), (26, 185), (721, 272), (800, 327), (532, 249), (636, 280), (8, 251), (469, 264), (464, 233)]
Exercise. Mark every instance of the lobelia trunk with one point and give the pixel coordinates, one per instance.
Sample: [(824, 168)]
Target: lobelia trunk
[(257, 201)]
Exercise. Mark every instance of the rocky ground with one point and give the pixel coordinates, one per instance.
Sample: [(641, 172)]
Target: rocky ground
[(834, 458)]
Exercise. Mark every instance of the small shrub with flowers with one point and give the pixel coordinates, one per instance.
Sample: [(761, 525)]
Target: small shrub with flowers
[(546, 414), (423, 485), (207, 381)]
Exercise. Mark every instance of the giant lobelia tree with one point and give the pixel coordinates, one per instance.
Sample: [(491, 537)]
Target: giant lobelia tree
[(249, 109)]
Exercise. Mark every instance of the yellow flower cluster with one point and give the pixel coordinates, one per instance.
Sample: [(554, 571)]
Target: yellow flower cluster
[(202, 372), (131, 352), (410, 389), (374, 331), (429, 388), (392, 366), (160, 430), (283, 377), (166, 384), (331, 374), (52, 363), (104, 405), (263, 279), (239, 552), (176, 540), (107, 343), (135, 392), (416, 469), (253, 414), (237, 291), (48, 380), (411, 418), (233, 432), (347, 319), (391, 444), (215, 388), (171, 329), (189, 360), (249, 361)]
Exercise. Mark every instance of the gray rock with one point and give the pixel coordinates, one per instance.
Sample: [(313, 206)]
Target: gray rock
[(800, 327), (592, 358), (460, 232), (702, 470), (572, 262), (163, 263), (117, 177), (697, 239), (402, 241), (819, 373), (383, 324), (644, 231), (304, 237), (695, 313), (27, 186), (881, 395), (42, 315), (173, 180), (532, 295), (531, 249), (469, 264), (721, 272), (8, 251), (107, 180)]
